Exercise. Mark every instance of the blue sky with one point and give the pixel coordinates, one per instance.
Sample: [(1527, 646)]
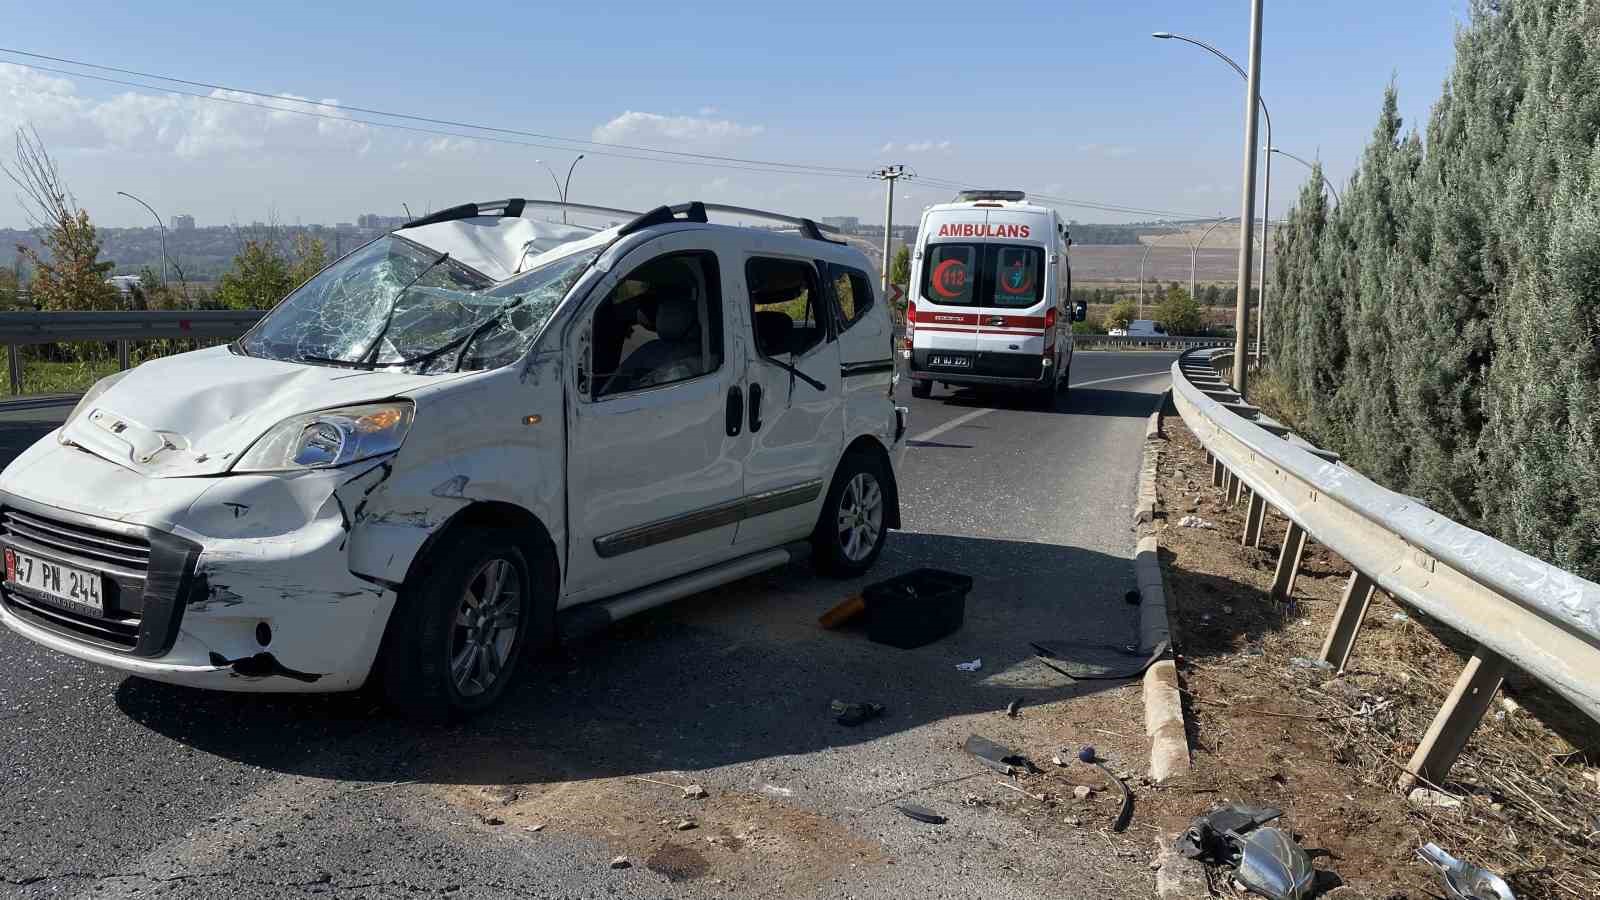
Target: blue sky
[(1070, 98)]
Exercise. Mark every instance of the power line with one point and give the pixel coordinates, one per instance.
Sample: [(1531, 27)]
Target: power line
[(433, 131), (427, 119)]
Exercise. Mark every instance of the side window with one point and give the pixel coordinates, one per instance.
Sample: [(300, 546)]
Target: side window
[(784, 300), (662, 323), (853, 292)]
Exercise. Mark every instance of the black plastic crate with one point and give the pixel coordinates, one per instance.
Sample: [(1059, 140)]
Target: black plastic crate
[(916, 608)]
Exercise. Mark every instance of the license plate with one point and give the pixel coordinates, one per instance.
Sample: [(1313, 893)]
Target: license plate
[(951, 362), (72, 588)]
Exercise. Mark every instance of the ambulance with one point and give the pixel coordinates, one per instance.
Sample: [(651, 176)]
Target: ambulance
[(991, 297)]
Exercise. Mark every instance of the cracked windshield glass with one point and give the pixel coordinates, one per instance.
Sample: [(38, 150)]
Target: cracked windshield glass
[(395, 304)]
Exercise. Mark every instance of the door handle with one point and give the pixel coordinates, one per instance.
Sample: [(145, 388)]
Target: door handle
[(735, 418), (755, 408)]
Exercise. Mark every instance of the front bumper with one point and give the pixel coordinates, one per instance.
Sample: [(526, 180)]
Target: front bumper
[(261, 597)]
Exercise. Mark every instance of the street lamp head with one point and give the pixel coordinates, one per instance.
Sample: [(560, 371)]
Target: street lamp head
[(1164, 35), (580, 156)]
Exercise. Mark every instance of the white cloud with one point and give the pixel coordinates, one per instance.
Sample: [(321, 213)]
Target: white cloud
[(928, 147), (191, 127), (887, 148), (708, 111), (647, 128), (1109, 151)]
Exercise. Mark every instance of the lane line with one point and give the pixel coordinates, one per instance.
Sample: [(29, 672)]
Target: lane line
[(961, 420)]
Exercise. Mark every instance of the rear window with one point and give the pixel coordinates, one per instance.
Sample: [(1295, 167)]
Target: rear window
[(1007, 276)]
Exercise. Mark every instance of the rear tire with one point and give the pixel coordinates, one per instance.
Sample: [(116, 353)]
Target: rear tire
[(852, 527), (460, 632), (921, 388)]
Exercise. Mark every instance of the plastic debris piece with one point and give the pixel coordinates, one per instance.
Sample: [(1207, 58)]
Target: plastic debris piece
[(1464, 881), (921, 813), (685, 825), (776, 791), (1014, 707), (1194, 522), (853, 714), (972, 666), (1082, 792), (852, 607), (1087, 754), (998, 757), (1208, 837), (620, 862), (1125, 814), (695, 792), (1272, 864), (1097, 662), (1429, 797)]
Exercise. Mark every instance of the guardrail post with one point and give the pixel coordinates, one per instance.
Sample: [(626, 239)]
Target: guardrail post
[(1219, 473), (122, 355), (14, 361), (1347, 621), (1253, 518), (1460, 715), (1234, 484), (1294, 544)]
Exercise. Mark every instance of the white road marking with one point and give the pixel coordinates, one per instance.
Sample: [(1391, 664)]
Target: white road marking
[(959, 421)]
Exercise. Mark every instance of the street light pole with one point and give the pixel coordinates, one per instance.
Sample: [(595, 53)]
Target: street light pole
[(159, 224), (1325, 179), (1253, 101), (1194, 254), (567, 188)]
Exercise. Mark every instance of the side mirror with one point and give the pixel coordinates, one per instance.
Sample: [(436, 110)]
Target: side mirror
[(1080, 311)]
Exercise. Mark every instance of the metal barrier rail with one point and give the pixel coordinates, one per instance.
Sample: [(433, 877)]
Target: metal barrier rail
[(22, 328), (1521, 611), (1162, 342)]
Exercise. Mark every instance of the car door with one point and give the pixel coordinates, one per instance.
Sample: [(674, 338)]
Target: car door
[(655, 459), (795, 419)]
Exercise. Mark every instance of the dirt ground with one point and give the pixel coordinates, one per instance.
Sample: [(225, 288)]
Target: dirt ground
[(1327, 750)]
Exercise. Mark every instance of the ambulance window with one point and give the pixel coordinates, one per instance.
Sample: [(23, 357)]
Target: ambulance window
[(1018, 275), (853, 291), (950, 274)]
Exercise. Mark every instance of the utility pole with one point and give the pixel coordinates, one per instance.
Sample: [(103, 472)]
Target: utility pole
[(1247, 203), (889, 174)]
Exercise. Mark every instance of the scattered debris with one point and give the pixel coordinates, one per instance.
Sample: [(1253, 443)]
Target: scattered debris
[(1013, 707), (917, 608), (852, 714), (1074, 821), (1082, 792), (1306, 662), (998, 757), (1194, 522), (1092, 662), (1132, 598), (972, 666), (695, 792), (921, 813), (852, 607), (535, 828), (621, 862), (1125, 814), (1429, 797), (1058, 760), (1272, 864), (776, 791), (1208, 838), (1464, 881), (685, 825), (1087, 754), (1042, 798), (1400, 617), (491, 820)]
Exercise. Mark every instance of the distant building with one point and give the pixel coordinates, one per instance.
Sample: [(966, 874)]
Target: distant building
[(846, 224), (182, 223), (380, 223)]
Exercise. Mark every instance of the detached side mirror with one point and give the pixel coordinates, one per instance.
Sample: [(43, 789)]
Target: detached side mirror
[(1080, 311)]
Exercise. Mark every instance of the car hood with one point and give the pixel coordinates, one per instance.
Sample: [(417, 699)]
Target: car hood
[(195, 413)]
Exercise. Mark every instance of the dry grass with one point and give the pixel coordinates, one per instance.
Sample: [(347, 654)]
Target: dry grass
[(1329, 750)]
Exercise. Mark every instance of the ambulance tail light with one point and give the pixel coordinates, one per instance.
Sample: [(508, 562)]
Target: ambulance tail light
[(1049, 330), (911, 325)]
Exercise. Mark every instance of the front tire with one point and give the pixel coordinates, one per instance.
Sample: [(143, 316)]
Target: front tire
[(463, 628), (851, 530)]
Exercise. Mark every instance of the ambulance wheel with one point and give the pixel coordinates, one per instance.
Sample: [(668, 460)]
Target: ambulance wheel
[(922, 388)]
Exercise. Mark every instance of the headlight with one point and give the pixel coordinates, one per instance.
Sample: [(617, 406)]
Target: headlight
[(329, 438), (89, 397)]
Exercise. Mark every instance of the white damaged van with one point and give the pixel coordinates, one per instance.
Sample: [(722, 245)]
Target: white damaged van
[(456, 442), (991, 296)]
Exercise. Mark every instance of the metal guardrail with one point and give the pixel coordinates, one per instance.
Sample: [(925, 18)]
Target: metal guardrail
[(18, 329), (1521, 611), (1158, 342)]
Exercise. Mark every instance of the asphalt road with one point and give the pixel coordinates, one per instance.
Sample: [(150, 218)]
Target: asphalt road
[(116, 787)]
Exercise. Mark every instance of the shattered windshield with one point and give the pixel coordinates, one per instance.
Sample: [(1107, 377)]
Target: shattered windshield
[(397, 305)]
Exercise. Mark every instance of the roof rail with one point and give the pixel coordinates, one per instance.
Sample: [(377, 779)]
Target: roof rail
[(510, 208), (696, 212)]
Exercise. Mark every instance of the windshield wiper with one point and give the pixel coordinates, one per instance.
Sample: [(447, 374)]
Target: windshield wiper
[(388, 319)]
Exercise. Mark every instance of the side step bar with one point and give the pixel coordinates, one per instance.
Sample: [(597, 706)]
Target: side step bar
[(591, 618)]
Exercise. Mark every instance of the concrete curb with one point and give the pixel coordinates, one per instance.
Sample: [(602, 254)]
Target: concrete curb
[(1178, 878), (1148, 505), (1163, 703)]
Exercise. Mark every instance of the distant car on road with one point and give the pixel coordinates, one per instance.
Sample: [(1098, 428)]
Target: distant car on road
[(1139, 328)]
